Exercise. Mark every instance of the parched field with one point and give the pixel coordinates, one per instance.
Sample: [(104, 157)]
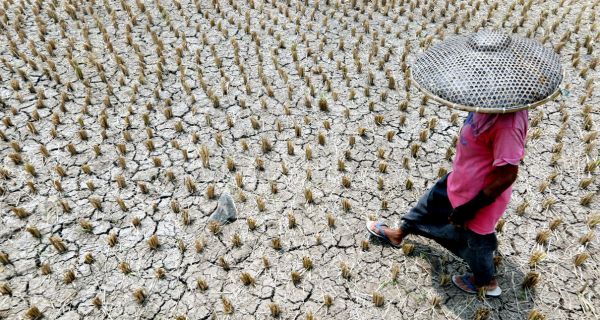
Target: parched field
[(124, 121)]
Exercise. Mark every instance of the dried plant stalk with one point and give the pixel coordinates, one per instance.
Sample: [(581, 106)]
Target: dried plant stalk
[(436, 301), (445, 280), (292, 223), (308, 195), (346, 182), (555, 223), (330, 220), (4, 259), (586, 199), (112, 239), (236, 240), (536, 257), (201, 284), (86, 225), (199, 245), (185, 218), (88, 258), (408, 248), (580, 258), (482, 314), (327, 300), (247, 279), (94, 201), (239, 180), (205, 156), (543, 237), (266, 263), (276, 243), (275, 310), (21, 213), (593, 220), (97, 302), (531, 280), (296, 277), (190, 184), (346, 205), (345, 271), (261, 204), (535, 315), (45, 269), (58, 244), (124, 267), (587, 238), (251, 224), (34, 231), (69, 277), (227, 306), (364, 245), (153, 242), (378, 299), (521, 208), (33, 313), (224, 264), (210, 191), (139, 296)]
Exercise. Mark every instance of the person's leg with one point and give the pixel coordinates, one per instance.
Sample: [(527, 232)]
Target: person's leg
[(428, 218), (433, 208), (416, 214), (479, 255)]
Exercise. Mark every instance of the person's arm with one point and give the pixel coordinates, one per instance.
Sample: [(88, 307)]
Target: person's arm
[(500, 179)]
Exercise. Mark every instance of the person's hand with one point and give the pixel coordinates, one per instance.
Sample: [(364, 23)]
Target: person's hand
[(463, 213)]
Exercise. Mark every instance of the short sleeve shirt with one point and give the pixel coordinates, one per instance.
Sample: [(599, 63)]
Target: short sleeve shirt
[(476, 156)]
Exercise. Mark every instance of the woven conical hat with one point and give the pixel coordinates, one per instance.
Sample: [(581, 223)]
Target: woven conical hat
[(489, 72)]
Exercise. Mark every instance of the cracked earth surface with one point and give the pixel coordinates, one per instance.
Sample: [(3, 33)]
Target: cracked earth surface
[(123, 122)]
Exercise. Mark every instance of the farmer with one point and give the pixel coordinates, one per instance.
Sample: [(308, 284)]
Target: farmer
[(461, 210)]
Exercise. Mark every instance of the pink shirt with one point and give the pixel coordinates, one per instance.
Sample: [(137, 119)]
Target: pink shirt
[(476, 156)]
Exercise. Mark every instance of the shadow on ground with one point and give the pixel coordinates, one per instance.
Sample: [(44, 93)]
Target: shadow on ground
[(514, 303)]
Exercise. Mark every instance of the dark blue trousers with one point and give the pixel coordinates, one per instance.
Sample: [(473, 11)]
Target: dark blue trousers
[(429, 218)]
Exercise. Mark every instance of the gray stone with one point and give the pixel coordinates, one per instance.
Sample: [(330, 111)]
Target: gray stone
[(226, 211)]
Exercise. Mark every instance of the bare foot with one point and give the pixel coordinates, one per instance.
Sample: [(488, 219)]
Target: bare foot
[(395, 236)]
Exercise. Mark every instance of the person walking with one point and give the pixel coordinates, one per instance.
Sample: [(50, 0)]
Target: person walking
[(461, 210)]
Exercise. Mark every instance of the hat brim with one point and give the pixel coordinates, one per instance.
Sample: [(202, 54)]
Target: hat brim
[(463, 107)]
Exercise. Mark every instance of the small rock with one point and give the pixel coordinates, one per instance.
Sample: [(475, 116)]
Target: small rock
[(226, 211)]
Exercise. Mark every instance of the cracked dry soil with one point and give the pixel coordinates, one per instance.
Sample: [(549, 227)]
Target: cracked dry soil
[(123, 122)]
